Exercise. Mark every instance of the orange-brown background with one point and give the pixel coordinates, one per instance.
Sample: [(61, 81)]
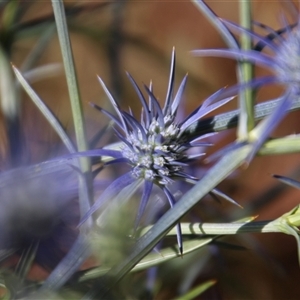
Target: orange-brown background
[(150, 29)]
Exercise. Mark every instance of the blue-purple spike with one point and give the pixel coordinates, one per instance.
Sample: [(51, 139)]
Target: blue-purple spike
[(225, 197), (250, 55), (228, 96), (151, 107), (179, 95), (206, 103), (111, 116), (166, 109), (186, 176), (117, 161), (93, 153), (135, 125), (194, 144), (148, 185), (177, 163), (160, 116), (194, 156), (254, 35), (271, 122), (114, 103), (203, 111), (178, 227), (123, 139), (288, 181), (142, 99), (110, 192), (272, 34)]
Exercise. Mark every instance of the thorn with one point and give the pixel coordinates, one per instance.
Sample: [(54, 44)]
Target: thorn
[(156, 250), (245, 165), (180, 251)]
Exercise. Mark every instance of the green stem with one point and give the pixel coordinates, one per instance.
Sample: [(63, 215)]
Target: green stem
[(67, 54), (222, 228), (246, 101), (206, 233), (71, 77), (10, 106)]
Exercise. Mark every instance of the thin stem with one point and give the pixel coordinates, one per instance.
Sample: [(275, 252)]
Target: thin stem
[(26, 260), (10, 106), (222, 228), (246, 101), (74, 94), (201, 234)]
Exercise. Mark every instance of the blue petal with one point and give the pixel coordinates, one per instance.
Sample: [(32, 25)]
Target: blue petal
[(206, 135), (111, 116), (157, 107), (288, 181), (263, 40), (94, 153), (195, 144), (151, 107), (142, 99), (224, 196), (179, 95), (217, 23), (260, 45), (203, 111), (135, 125), (224, 151), (113, 102), (186, 177), (123, 139), (145, 197), (111, 192), (250, 55), (225, 93), (117, 161), (194, 156), (178, 227), (269, 123), (273, 34), (166, 109), (177, 163)]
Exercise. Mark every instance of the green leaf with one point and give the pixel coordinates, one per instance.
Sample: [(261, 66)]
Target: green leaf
[(197, 291), (154, 258)]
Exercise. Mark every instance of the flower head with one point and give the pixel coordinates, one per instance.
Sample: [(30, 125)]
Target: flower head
[(284, 64), (285, 45), (156, 147)]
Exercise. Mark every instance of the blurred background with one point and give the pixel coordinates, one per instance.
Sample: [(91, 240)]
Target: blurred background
[(109, 38)]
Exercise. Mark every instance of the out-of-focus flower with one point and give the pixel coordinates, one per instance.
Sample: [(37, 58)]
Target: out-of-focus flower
[(284, 64), (33, 201), (156, 147)]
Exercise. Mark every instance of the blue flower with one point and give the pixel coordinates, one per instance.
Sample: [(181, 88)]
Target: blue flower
[(155, 147), (284, 64), (285, 61)]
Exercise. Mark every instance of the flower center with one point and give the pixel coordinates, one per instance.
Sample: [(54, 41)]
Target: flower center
[(155, 157), (289, 58)]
